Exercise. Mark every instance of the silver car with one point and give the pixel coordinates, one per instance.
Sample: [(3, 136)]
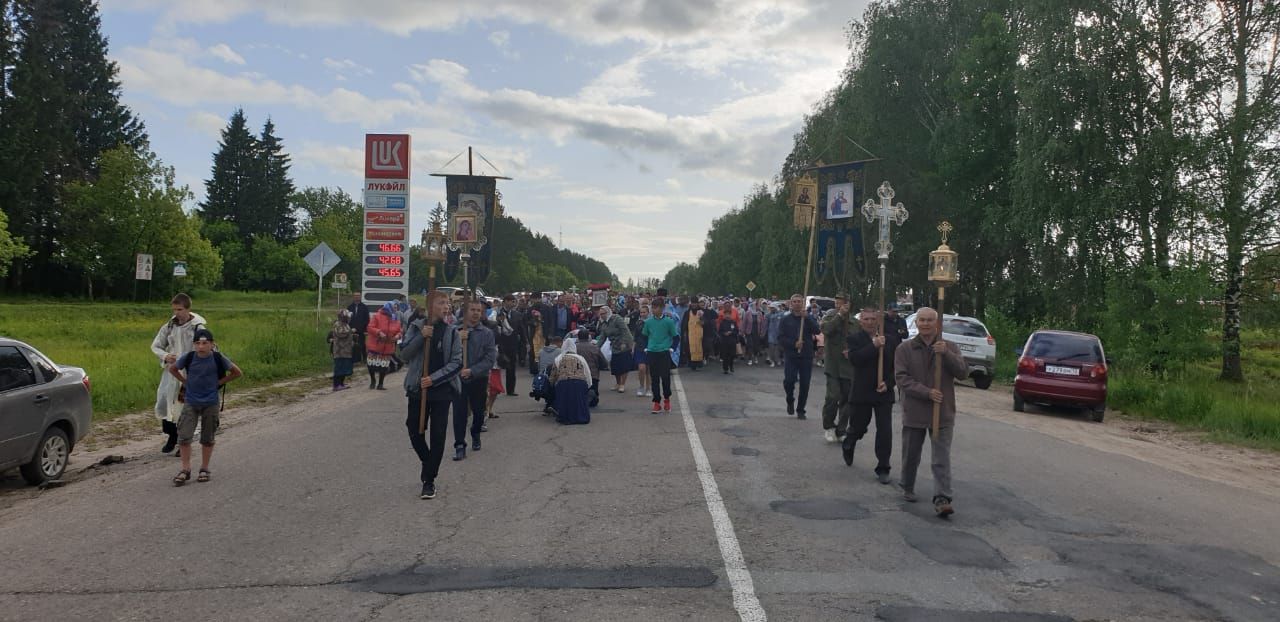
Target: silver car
[(44, 411), (976, 344)]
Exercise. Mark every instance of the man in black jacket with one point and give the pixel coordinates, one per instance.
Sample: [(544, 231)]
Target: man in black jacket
[(359, 324), (507, 326), (796, 334), (872, 388)]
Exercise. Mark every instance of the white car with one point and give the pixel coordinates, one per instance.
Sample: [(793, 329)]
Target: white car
[(975, 342)]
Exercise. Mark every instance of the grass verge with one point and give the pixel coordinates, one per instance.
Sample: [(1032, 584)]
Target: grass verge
[(270, 336)]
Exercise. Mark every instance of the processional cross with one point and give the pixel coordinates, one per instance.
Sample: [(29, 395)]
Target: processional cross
[(886, 212)]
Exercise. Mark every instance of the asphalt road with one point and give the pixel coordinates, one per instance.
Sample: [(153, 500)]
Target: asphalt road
[(313, 514)]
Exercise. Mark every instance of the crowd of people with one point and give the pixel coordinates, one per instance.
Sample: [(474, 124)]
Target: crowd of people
[(460, 355)]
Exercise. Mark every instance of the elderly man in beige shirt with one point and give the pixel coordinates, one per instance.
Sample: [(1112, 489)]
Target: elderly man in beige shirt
[(913, 365)]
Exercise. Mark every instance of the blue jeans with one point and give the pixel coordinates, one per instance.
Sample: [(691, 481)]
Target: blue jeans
[(793, 367)]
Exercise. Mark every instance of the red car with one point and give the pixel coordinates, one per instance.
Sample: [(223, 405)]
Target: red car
[(1062, 368)]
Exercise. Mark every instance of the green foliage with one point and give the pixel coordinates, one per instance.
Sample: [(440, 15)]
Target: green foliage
[(271, 337), (10, 249), (332, 217), (1159, 322), (59, 112)]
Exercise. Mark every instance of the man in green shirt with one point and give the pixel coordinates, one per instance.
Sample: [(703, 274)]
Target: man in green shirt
[(836, 328), (661, 331)]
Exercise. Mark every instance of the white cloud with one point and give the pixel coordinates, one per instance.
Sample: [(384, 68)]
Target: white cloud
[(345, 68), (206, 123), (501, 39), (224, 52)]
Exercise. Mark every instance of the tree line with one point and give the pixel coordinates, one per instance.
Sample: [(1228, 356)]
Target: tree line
[(81, 193), (1108, 165)]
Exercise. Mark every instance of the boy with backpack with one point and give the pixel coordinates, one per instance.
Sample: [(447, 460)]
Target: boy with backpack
[(206, 372)]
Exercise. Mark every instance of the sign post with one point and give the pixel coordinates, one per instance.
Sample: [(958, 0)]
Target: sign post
[(322, 259), (384, 268), (143, 265)]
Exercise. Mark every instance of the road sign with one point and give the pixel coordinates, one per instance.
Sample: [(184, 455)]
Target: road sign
[(384, 272), (179, 268), (339, 277), (142, 267), (751, 286), (322, 259)]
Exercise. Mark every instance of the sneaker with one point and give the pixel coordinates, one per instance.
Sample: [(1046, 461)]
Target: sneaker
[(908, 495), (666, 404), (475, 443), (428, 491), (657, 408), (460, 453), (648, 393), (639, 392), (800, 415), (942, 506), (829, 434), (882, 477), (622, 389)]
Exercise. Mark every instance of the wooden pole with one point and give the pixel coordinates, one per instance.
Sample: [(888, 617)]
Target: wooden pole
[(808, 267), (880, 333), (426, 361), (937, 365)]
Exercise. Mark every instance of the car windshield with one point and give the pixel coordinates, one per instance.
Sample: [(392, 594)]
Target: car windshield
[(1065, 347), (824, 304), (963, 327)]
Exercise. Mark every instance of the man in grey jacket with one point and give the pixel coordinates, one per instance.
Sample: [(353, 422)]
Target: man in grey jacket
[(433, 355), (481, 353), (913, 365)]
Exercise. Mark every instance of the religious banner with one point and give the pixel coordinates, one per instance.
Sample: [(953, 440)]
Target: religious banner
[(470, 218), (839, 254)]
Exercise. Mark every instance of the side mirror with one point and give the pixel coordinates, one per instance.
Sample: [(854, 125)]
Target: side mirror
[(1110, 362), (1018, 350)]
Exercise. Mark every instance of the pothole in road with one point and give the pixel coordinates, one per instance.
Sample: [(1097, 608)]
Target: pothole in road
[(739, 432), (899, 613), (955, 548), (427, 579), (727, 411), (821, 509), (745, 451)]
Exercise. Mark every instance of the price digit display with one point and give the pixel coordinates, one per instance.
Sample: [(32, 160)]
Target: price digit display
[(385, 272), (384, 247)]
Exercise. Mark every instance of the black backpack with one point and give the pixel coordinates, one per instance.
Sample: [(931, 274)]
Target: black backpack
[(219, 362)]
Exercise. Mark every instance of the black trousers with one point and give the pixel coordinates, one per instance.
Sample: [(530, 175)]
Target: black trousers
[(429, 452), (660, 374), (861, 419), (470, 401), (728, 351), (511, 379), (357, 350), (797, 368)]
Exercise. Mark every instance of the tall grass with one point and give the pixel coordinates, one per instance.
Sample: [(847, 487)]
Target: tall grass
[(270, 336)]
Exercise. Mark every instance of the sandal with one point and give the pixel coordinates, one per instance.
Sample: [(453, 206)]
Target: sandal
[(181, 478), (204, 475)]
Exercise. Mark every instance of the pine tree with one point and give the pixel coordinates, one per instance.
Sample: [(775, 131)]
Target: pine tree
[(274, 189), (61, 112), (230, 187)]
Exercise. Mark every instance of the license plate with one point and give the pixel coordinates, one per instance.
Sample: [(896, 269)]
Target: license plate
[(1062, 371), (964, 347)]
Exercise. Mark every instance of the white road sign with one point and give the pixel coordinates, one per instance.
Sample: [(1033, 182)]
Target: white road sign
[(322, 259), (143, 266)]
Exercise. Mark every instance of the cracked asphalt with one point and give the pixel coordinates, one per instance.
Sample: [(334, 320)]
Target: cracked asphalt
[(313, 515)]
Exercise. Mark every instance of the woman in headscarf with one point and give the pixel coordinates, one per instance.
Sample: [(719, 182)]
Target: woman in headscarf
[(636, 324), (571, 377), (341, 343), (380, 343)]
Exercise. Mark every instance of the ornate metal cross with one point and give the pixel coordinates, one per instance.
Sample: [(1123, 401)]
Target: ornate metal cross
[(885, 211)]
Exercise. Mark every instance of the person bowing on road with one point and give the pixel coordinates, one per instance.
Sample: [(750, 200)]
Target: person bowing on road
[(913, 365)]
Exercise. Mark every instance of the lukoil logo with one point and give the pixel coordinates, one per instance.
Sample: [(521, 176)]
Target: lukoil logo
[(386, 155)]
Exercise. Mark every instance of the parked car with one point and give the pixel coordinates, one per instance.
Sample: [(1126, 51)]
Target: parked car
[(454, 291), (44, 411), (1058, 367), (824, 303), (977, 345)]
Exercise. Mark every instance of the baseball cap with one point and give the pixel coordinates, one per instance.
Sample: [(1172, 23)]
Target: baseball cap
[(202, 333)]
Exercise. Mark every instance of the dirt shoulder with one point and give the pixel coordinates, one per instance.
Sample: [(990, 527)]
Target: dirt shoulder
[(1155, 442)]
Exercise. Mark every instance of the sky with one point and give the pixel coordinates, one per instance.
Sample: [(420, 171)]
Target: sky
[(626, 125)]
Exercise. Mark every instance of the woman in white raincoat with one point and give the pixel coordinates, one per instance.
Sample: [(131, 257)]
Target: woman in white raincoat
[(172, 341)]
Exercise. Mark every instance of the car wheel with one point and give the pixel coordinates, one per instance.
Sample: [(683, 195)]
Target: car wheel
[(982, 381), (51, 458), (1018, 404), (1098, 412)]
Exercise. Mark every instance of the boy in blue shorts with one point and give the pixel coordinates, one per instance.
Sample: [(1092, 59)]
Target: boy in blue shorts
[(206, 372)]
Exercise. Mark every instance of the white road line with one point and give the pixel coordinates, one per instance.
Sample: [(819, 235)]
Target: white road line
[(744, 591)]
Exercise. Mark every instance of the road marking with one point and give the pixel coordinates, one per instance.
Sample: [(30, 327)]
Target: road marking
[(744, 591)]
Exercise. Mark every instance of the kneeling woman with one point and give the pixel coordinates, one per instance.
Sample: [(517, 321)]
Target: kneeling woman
[(571, 378)]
